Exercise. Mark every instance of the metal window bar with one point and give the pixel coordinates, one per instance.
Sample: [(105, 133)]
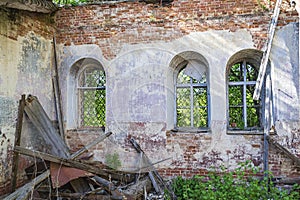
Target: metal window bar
[(244, 94), (192, 102)]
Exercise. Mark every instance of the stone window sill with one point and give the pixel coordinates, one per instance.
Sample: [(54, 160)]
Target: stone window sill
[(249, 132), (190, 130), (87, 130)]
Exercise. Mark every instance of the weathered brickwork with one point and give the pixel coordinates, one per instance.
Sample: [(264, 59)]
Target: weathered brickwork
[(17, 23), (135, 42), (25, 68), (109, 26)]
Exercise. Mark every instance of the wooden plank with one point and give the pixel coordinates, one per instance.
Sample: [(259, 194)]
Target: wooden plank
[(41, 121), (57, 94), (265, 59), (156, 186), (23, 192), (17, 142), (105, 183), (118, 175), (153, 174), (66, 162), (87, 147)]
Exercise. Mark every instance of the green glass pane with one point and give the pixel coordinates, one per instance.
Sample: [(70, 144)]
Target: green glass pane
[(200, 117), (183, 107), (253, 117), (183, 97), (236, 117), (183, 117), (235, 95), (200, 97), (249, 96), (93, 108)]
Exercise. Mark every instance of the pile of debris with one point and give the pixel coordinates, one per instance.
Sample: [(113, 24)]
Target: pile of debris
[(58, 174)]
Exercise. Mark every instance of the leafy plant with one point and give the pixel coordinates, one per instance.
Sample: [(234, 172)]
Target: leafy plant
[(113, 160), (231, 185)]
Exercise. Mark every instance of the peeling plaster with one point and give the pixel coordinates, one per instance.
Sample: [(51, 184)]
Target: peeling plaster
[(8, 61), (35, 70)]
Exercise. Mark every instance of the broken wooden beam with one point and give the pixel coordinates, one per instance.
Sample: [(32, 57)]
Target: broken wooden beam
[(284, 150), (119, 175), (105, 183), (42, 122), (62, 161), (18, 132), (153, 173), (87, 147), (57, 94), (23, 192)]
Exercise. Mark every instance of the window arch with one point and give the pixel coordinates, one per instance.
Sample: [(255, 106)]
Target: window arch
[(192, 96), (91, 90), (244, 113)]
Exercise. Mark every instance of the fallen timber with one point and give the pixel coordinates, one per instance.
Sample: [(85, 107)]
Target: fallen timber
[(91, 180)]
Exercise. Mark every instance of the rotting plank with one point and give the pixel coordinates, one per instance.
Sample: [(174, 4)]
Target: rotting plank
[(265, 58), (23, 192), (87, 147), (41, 121), (57, 94), (17, 142), (151, 173), (63, 161), (74, 163)]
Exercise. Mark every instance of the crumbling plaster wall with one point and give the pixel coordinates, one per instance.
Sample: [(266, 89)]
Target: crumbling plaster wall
[(26, 56), (140, 91), (135, 43)]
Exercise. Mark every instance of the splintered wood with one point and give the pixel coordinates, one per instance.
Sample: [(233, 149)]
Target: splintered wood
[(64, 175)]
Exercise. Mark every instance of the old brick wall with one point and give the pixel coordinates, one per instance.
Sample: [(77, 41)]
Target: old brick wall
[(112, 25), (135, 42), (26, 55)]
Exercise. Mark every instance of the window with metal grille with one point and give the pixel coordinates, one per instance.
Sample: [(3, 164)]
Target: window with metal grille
[(191, 98), (92, 97), (244, 112)]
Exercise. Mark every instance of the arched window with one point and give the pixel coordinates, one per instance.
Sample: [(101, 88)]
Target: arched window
[(192, 96), (244, 112), (91, 96)]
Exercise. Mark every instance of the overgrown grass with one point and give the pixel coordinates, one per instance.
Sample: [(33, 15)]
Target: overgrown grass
[(235, 185)]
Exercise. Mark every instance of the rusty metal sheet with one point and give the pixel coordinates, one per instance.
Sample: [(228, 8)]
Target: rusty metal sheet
[(60, 175)]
